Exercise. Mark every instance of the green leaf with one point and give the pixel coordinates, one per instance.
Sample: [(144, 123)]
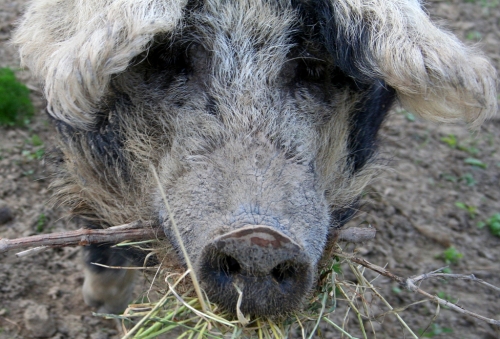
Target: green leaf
[(475, 162)]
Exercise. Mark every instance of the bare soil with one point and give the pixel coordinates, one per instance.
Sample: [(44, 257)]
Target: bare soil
[(413, 206)]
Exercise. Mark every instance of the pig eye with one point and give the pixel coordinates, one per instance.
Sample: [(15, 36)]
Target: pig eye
[(310, 70), (165, 55)]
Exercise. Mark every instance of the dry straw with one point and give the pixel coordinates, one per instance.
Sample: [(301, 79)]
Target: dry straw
[(179, 311)]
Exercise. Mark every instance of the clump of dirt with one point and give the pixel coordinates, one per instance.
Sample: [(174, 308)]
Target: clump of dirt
[(444, 181)]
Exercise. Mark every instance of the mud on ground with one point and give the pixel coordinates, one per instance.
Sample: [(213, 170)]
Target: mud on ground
[(431, 200)]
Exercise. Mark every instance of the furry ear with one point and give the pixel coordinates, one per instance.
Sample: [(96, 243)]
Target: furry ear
[(75, 46), (434, 74)]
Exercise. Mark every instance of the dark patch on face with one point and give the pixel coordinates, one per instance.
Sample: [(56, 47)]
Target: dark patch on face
[(103, 139), (340, 216), (349, 52), (366, 122), (327, 60), (103, 254), (164, 60), (322, 55), (107, 254)]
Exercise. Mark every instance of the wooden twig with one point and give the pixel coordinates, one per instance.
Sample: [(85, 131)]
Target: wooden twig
[(411, 285), (137, 230), (356, 234), (438, 274)]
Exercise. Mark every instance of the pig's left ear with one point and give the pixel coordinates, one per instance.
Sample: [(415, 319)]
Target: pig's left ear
[(434, 74), (74, 47)]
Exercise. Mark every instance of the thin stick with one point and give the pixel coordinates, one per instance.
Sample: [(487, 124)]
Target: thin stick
[(471, 277), (134, 231), (410, 284), (137, 231)]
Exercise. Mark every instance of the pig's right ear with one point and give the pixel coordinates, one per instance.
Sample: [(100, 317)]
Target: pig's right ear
[(434, 74), (75, 46)]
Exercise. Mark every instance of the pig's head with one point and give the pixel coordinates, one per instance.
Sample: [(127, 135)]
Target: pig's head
[(261, 119)]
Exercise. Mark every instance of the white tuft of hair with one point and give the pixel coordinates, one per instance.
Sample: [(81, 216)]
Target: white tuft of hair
[(75, 46), (434, 74)]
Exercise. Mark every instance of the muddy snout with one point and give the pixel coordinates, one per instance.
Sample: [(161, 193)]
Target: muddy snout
[(271, 270)]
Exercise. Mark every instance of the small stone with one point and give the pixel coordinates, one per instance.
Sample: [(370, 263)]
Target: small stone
[(72, 327), (99, 335), (6, 215), (54, 292), (38, 321)]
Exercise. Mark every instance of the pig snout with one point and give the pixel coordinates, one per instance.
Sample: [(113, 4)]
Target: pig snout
[(271, 270)]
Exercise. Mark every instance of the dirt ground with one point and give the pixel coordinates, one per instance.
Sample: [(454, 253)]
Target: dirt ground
[(433, 198)]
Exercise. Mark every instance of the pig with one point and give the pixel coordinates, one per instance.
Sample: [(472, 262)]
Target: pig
[(260, 117)]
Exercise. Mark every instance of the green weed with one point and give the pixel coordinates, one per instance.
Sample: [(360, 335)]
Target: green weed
[(434, 330), (36, 150), (408, 115), (34, 155), (15, 105), (450, 256), (474, 36), (36, 141), (449, 177), (468, 179), (29, 173), (471, 210), (41, 223), (493, 224), (397, 290), (450, 140), (466, 146), (476, 162)]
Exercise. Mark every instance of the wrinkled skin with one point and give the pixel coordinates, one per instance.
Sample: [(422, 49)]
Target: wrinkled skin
[(260, 118)]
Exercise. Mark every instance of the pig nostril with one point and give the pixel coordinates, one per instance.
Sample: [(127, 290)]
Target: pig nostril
[(229, 265), (283, 272)]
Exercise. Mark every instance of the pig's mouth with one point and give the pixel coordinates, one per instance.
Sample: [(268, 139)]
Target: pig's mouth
[(270, 270)]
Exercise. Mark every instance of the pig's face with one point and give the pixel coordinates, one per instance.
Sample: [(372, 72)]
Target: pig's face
[(268, 150), (261, 119)]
